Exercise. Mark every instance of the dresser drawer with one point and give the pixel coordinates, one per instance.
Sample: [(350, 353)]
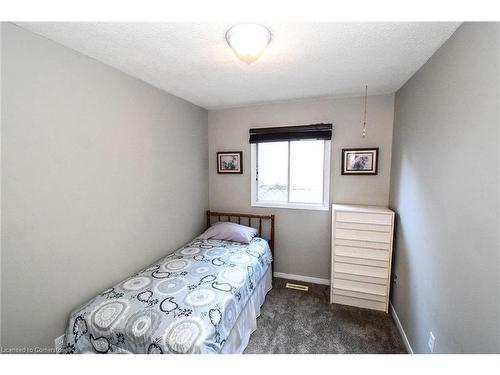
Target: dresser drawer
[(349, 293), (365, 279), (362, 261), (357, 286), (362, 217), (364, 244), (357, 226), (360, 252), (359, 302), (363, 235), (357, 269)]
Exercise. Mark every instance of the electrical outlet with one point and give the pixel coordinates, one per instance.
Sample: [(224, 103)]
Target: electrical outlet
[(431, 342), (395, 279), (58, 343)]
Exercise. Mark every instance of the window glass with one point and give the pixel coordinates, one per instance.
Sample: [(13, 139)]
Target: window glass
[(272, 169), (306, 171)]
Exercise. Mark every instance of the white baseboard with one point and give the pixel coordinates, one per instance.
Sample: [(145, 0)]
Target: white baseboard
[(401, 330), (307, 279)]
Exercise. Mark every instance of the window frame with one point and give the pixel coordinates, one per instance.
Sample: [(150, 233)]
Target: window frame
[(324, 206)]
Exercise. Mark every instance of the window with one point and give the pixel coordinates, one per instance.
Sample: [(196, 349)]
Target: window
[(291, 174)]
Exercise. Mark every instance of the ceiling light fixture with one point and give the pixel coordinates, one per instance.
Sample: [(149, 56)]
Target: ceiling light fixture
[(248, 41)]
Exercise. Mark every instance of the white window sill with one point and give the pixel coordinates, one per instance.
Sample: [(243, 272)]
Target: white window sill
[(294, 206)]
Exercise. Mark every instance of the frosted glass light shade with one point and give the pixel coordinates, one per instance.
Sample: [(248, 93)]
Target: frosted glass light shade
[(248, 41)]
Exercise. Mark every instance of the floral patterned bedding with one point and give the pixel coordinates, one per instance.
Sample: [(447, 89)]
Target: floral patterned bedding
[(187, 302)]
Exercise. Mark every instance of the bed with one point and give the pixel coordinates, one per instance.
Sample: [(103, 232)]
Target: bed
[(203, 298)]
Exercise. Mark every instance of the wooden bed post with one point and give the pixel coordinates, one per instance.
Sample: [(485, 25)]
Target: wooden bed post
[(272, 245), (208, 219)]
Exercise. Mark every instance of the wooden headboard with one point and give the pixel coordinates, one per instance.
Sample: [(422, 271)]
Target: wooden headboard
[(246, 219)]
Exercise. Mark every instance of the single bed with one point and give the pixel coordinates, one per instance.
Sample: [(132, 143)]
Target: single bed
[(203, 298)]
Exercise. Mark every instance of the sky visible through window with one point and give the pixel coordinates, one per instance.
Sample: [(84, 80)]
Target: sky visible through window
[(306, 171)]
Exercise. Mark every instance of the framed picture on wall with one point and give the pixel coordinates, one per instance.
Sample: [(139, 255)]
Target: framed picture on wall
[(360, 161), (230, 162)]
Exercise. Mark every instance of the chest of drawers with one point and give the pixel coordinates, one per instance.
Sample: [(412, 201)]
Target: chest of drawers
[(361, 256)]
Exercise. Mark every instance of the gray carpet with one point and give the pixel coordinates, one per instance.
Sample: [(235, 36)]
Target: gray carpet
[(292, 321)]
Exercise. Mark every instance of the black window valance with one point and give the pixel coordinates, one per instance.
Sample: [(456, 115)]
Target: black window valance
[(291, 133)]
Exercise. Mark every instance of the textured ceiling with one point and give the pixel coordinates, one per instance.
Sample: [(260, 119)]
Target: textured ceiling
[(193, 61)]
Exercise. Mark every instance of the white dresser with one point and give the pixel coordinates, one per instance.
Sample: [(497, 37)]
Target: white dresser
[(361, 255)]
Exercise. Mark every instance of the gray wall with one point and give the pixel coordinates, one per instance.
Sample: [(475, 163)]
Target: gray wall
[(102, 174), (303, 236), (445, 189), (0, 185)]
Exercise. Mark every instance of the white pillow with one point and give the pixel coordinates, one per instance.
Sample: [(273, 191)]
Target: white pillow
[(230, 231)]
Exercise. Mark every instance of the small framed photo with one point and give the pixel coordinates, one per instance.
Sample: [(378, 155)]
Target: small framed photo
[(359, 161), (230, 162)]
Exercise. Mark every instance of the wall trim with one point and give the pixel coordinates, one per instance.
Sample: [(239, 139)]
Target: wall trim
[(307, 279), (401, 330)]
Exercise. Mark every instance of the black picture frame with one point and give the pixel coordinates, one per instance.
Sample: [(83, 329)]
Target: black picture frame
[(224, 166), (359, 169)]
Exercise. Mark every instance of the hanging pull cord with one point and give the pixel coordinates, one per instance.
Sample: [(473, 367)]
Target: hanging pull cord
[(364, 117)]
